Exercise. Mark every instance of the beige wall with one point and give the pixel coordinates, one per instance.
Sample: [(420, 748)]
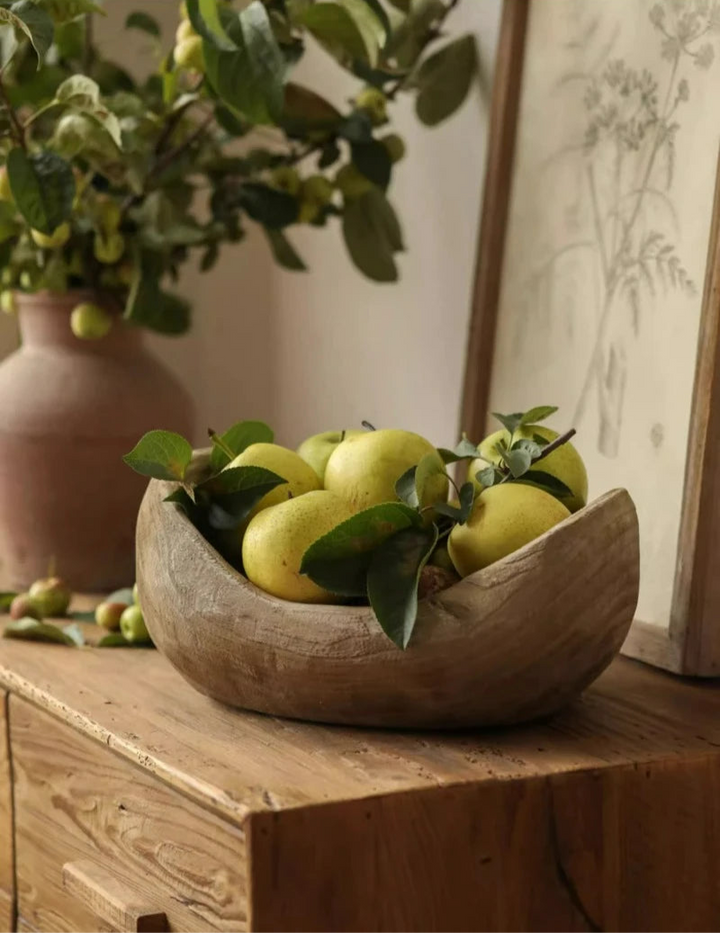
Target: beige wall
[(327, 348)]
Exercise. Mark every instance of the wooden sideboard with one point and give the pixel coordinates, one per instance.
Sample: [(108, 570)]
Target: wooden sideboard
[(128, 801)]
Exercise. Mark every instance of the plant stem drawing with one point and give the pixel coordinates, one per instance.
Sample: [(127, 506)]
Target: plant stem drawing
[(626, 165)]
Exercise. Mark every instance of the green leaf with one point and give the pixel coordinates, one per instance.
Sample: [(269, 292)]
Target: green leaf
[(488, 477), (530, 446), (115, 640), (80, 91), (250, 78), (546, 481), (33, 21), (518, 461), (348, 29), (205, 18), (372, 235), (238, 438), (405, 488), (144, 22), (373, 160), (64, 11), (429, 467), (230, 122), (540, 440), (510, 422), (150, 307), (232, 494), (6, 598), (464, 450), (32, 630), (82, 616), (284, 251), (357, 127), (467, 500), (339, 560), (43, 187), (124, 595), (75, 634), (161, 455), (305, 111), (540, 413), (444, 80), (393, 578), (274, 209)]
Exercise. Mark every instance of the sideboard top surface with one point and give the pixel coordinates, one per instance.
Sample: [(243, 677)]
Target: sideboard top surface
[(238, 763)]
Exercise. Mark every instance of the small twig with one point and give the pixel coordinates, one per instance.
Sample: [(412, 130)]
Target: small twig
[(553, 445), (171, 154), (219, 442)]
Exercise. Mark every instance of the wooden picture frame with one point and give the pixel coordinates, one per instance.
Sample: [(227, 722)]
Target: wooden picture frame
[(691, 643)]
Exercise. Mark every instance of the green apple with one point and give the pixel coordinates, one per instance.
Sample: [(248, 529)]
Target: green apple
[(564, 464), (504, 518), (52, 596), (363, 470), (189, 54), (108, 615), (89, 321), (300, 476), (108, 247), (316, 450), (277, 538), (185, 30), (24, 606), (132, 626)]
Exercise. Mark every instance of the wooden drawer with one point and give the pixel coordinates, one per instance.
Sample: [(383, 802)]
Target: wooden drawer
[(76, 801), (7, 882)]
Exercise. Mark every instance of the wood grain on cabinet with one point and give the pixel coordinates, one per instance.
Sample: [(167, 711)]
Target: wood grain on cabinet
[(628, 848), (7, 859), (75, 800)]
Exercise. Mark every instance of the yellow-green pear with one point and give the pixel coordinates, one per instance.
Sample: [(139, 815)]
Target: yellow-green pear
[(564, 464), (504, 518), (316, 450), (277, 538), (301, 477), (363, 470)]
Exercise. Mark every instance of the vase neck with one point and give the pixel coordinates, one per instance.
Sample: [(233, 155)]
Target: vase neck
[(45, 322)]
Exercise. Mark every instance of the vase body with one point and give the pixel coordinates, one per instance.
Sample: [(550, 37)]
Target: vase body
[(69, 410)]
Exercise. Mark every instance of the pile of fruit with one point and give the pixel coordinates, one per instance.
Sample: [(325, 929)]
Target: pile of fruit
[(119, 615), (369, 516)]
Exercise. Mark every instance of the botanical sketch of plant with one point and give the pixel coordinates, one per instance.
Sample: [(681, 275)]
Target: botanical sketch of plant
[(626, 167)]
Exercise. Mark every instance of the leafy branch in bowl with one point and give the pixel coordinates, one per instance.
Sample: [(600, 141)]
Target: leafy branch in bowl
[(382, 554)]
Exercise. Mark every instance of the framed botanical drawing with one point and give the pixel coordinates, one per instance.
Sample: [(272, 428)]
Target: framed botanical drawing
[(598, 278)]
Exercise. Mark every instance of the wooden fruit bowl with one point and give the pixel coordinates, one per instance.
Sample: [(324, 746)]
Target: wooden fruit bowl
[(513, 642)]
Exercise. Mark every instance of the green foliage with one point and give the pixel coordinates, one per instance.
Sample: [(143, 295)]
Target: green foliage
[(372, 235), (32, 630), (144, 22), (237, 439), (160, 455), (142, 172), (43, 188), (393, 577), (31, 20), (339, 560), (444, 80)]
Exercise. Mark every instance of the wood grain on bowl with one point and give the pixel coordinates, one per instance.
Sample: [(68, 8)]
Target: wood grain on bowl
[(510, 643)]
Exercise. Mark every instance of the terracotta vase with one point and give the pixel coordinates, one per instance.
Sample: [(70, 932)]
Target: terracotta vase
[(69, 410)]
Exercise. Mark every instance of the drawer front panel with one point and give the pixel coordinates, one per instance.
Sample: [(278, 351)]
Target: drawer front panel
[(7, 881), (77, 801)]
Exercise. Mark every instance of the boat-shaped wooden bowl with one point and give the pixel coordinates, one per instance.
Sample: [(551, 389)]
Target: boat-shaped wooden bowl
[(513, 642)]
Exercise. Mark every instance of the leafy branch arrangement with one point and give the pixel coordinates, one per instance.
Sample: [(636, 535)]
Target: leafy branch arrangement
[(112, 184), (383, 554)]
